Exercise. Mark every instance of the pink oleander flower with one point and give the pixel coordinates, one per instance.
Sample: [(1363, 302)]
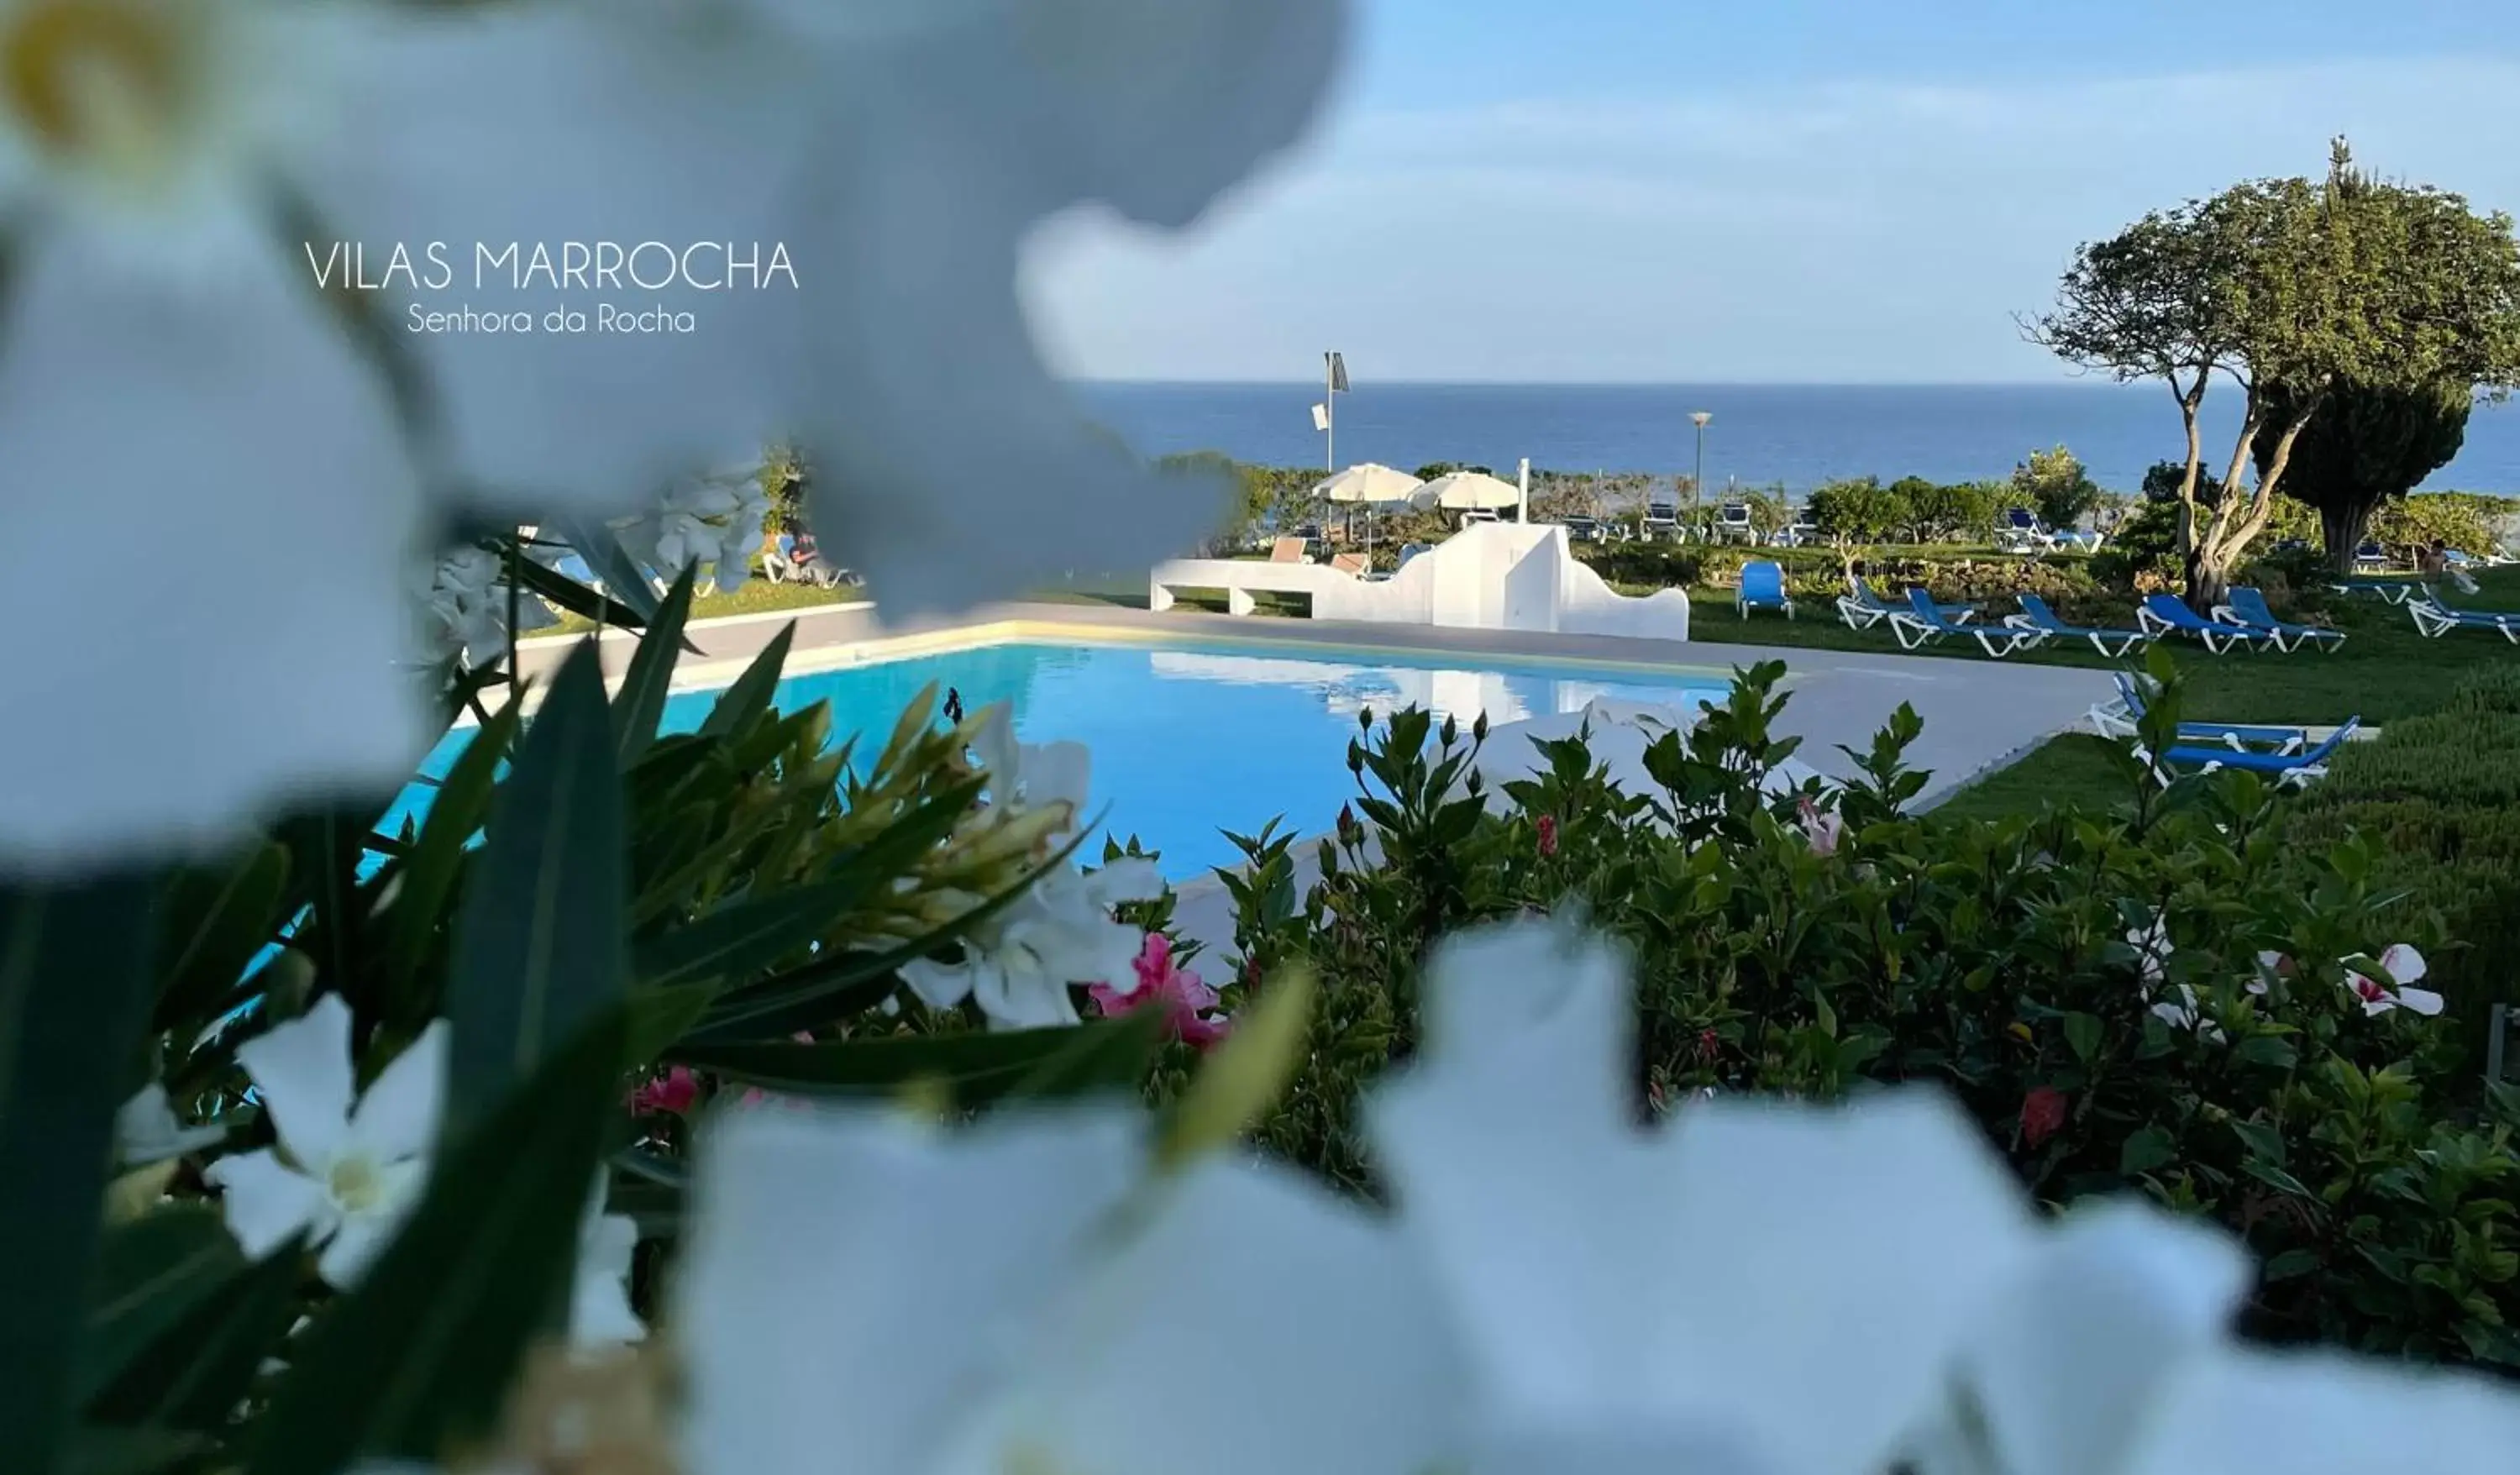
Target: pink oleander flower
[(1822, 828), (1548, 836), (1186, 999), (674, 1092)]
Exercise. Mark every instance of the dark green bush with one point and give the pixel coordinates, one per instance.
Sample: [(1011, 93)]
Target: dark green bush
[(2142, 553), (2495, 689)]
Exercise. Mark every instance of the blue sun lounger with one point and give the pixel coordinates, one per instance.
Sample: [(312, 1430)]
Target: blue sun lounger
[(1861, 608), (2283, 768), (2435, 619), (2163, 614), (1923, 622), (2118, 719), (1763, 587), (2389, 590), (2248, 606), (2036, 615)]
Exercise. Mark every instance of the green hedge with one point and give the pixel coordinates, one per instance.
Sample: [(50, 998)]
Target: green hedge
[(1952, 573), (2439, 795)]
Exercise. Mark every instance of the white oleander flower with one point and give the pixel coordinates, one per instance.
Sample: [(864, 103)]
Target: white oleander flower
[(1030, 775), (351, 1166), (466, 604), (1020, 964), (991, 1302), (1756, 1288), (713, 524), (147, 1130)]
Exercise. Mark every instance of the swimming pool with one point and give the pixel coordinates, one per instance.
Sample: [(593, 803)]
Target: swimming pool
[(1192, 739)]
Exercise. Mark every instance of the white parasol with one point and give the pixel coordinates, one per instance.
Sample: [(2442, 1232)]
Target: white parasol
[(1466, 491), (1372, 484)]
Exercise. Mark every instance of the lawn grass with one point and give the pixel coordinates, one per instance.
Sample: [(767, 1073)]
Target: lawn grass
[(2074, 769), (756, 596), (2384, 671)]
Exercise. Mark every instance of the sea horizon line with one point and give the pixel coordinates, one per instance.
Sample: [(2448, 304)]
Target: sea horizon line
[(1500, 384)]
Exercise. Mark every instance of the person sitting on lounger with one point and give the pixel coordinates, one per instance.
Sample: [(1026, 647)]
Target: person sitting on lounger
[(805, 558), (2433, 559)]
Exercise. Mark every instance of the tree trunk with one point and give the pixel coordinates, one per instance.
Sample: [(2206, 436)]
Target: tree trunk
[(2341, 528), (2191, 542), (2236, 525), (2208, 580)]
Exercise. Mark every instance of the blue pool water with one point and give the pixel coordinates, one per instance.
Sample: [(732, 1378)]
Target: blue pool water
[(1189, 740)]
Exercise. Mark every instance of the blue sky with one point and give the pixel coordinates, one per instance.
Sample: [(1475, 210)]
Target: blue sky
[(1778, 190)]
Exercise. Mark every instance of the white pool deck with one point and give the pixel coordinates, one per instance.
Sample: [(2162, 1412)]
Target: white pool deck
[(1491, 576)]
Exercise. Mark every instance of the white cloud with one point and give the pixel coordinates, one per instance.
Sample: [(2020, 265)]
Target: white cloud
[(1844, 233)]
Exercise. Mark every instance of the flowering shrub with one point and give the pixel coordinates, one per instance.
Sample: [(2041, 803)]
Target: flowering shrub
[(473, 1047), (2439, 799), (2102, 991), (403, 1117)]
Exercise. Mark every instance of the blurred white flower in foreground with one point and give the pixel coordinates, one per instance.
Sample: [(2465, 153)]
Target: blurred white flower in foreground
[(221, 279), (2112, 1356), (466, 604), (1760, 1288), (1757, 1288), (948, 464), (1020, 964), (2120, 1305), (351, 1166), (147, 1130), (989, 1302), (194, 389)]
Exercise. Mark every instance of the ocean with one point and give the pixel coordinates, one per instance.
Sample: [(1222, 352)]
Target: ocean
[(1761, 433)]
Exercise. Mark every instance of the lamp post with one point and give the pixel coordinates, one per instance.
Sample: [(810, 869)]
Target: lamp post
[(1326, 414), (1698, 482)]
